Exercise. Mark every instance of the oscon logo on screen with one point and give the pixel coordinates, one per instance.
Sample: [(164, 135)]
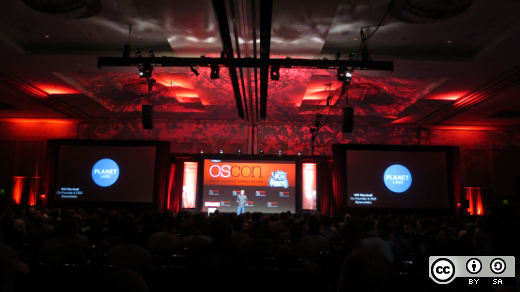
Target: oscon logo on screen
[(397, 178), (105, 172)]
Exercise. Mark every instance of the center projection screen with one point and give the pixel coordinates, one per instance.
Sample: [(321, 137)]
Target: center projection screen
[(270, 186), (397, 179)]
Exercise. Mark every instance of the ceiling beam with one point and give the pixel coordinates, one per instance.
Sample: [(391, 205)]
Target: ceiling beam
[(219, 6), (42, 97), (245, 63), (470, 100), (266, 14)]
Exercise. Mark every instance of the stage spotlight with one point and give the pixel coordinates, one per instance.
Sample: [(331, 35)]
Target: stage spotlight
[(239, 152), (145, 71), (215, 71), (351, 56), (201, 151), (299, 153), (126, 51), (221, 152), (275, 72), (344, 75), (138, 52), (279, 153), (150, 53), (195, 71), (261, 153)]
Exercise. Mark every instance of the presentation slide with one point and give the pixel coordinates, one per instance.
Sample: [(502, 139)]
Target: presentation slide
[(395, 179), (268, 185), (105, 173)]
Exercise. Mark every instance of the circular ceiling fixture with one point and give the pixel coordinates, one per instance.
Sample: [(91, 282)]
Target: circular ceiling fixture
[(139, 87), (427, 11), (70, 9)]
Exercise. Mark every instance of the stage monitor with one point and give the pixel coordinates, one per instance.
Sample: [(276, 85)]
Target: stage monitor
[(397, 179), (270, 186), (105, 173)]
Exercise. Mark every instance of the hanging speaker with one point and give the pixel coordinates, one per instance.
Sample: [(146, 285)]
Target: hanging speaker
[(348, 119), (147, 119)]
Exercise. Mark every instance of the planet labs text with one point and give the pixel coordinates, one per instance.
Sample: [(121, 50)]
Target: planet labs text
[(397, 179), (105, 173)]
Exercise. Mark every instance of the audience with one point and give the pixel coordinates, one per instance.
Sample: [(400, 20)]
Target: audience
[(360, 251)]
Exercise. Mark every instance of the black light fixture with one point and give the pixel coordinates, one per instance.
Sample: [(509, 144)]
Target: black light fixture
[(150, 84), (261, 153), (275, 72), (147, 116), (126, 51), (348, 119), (239, 152), (215, 71), (201, 152), (150, 53), (344, 74), (221, 151), (279, 153), (145, 70), (299, 153), (138, 52), (195, 71)]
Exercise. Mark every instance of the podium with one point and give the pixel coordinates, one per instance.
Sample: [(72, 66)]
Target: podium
[(212, 206)]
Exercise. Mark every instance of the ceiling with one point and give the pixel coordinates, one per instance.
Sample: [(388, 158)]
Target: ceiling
[(458, 71)]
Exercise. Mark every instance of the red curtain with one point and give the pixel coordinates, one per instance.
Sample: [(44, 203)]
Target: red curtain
[(17, 189), (327, 189), (172, 204), (35, 189), (474, 196)]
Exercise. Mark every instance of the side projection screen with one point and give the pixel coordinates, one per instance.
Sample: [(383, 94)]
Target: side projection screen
[(397, 179), (105, 173), (268, 185)]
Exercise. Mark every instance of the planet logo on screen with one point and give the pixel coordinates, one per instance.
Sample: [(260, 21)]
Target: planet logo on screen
[(397, 178), (105, 172)]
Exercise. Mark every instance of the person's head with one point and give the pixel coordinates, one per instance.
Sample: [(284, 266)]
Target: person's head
[(37, 220), (257, 230), (242, 192), (238, 223), (169, 224), (314, 224), (129, 230), (67, 227), (296, 231), (369, 227), (366, 271), (219, 230)]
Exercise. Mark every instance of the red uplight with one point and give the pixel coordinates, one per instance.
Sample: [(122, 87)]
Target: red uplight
[(447, 96), (53, 89)]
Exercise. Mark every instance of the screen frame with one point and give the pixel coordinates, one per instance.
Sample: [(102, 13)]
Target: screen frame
[(340, 176), (285, 158), (161, 174)]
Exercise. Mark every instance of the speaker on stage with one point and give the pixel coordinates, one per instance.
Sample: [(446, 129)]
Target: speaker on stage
[(147, 116), (348, 119)]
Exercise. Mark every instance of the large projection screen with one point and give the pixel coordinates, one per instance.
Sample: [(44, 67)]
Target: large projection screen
[(105, 173), (397, 179), (270, 186)]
